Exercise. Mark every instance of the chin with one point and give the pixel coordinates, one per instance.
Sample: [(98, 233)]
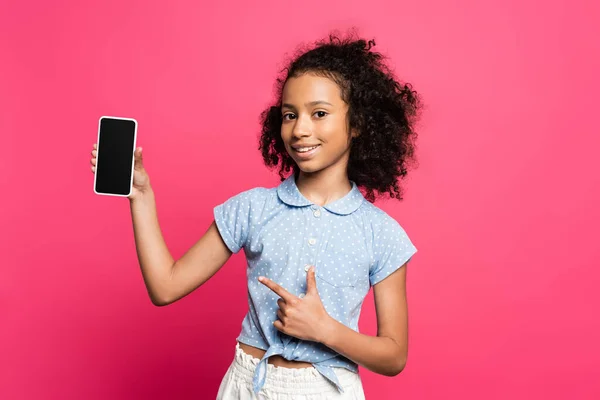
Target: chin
[(309, 168), (306, 169)]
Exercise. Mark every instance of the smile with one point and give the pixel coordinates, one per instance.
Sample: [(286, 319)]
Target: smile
[(306, 152), (305, 149)]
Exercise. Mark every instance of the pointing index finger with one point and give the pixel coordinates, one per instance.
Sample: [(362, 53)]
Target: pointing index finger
[(278, 289)]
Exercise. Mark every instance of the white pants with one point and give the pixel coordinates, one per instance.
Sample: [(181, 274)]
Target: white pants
[(285, 383)]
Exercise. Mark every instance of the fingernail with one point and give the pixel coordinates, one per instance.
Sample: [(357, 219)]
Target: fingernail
[(260, 278)]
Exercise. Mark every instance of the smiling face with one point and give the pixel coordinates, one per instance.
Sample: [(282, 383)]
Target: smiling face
[(315, 125)]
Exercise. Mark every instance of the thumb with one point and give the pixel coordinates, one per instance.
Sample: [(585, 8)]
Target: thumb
[(139, 161), (311, 283)]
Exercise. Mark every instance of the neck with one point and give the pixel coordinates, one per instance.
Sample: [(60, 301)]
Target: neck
[(325, 186)]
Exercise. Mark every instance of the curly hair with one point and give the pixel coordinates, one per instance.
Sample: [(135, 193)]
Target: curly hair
[(382, 110)]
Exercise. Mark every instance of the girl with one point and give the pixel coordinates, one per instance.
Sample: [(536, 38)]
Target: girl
[(314, 244)]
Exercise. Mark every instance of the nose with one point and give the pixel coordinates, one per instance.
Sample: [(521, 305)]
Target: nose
[(302, 127)]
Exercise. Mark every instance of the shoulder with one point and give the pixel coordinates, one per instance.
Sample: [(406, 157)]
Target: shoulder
[(379, 219), (387, 233), (255, 193), (234, 217), (253, 198), (392, 246)]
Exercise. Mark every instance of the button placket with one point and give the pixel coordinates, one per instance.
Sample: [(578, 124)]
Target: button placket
[(316, 210), (313, 234)]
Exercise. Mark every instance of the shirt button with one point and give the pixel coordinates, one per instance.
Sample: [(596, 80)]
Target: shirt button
[(317, 213), (301, 295), (312, 241)]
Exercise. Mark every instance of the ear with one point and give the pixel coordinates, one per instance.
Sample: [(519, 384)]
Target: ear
[(354, 133)]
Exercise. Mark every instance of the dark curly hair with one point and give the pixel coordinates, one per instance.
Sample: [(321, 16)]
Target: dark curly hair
[(382, 110)]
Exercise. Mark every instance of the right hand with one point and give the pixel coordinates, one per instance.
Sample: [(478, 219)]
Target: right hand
[(141, 180)]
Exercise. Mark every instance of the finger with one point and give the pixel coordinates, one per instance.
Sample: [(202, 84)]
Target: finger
[(139, 159), (281, 303), (94, 153), (93, 161), (279, 290), (93, 168), (311, 283), (280, 315), (95, 145), (279, 325)]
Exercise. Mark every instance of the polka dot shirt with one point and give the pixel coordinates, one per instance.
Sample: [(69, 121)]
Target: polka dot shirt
[(352, 244)]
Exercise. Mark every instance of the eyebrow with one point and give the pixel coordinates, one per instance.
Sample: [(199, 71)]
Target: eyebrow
[(312, 103)]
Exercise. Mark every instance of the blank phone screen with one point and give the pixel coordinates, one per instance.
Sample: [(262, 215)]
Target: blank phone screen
[(116, 141)]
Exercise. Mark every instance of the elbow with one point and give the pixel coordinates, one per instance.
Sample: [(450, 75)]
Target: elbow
[(397, 367), (161, 295), (396, 360), (159, 301), (395, 370), (401, 364)]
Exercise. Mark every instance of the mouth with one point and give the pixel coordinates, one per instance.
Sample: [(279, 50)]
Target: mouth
[(305, 152)]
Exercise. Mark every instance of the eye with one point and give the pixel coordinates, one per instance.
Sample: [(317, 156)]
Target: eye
[(320, 114), (288, 116)]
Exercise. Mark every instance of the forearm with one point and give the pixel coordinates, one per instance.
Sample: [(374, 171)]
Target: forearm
[(381, 355), (154, 257)]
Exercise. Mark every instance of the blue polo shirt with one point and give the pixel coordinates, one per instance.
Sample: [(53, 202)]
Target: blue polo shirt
[(352, 243)]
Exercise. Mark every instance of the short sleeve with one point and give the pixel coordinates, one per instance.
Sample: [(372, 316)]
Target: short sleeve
[(392, 249), (232, 219)]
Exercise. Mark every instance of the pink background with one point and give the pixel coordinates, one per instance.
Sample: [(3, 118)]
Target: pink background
[(503, 208)]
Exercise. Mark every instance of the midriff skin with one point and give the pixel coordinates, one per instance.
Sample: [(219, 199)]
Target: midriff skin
[(277, 361)]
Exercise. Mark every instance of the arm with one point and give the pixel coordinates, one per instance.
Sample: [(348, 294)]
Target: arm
[(387, 352), (168, 280)]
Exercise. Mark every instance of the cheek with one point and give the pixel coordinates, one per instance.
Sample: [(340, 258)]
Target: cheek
[(336, 134), (284, 133), (286, 137), (286, 130)]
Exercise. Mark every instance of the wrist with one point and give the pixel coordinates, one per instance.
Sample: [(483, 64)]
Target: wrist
[(328, 331), (142, 195)]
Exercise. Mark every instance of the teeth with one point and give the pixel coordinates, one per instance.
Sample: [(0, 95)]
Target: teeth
[(305, 149)]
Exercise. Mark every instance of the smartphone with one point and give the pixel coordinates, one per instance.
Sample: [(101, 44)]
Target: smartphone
[(115, 156)]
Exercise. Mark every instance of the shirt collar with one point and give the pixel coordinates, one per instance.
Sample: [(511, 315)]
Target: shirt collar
[(289, 193)]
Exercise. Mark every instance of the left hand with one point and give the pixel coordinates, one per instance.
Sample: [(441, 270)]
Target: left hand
[(304, 318)]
